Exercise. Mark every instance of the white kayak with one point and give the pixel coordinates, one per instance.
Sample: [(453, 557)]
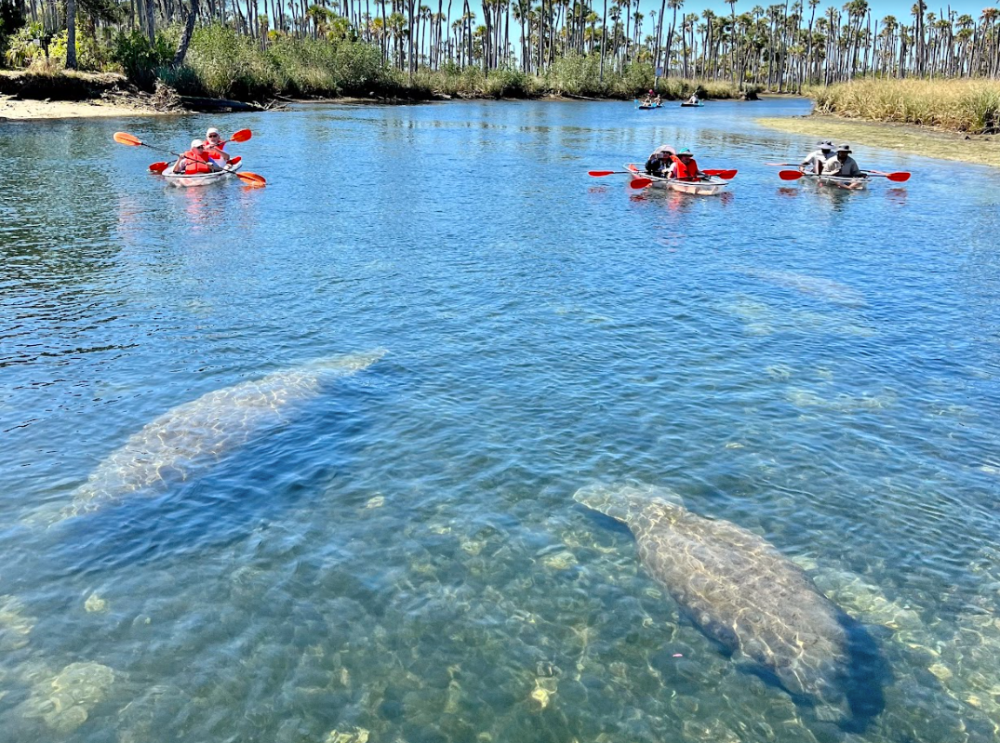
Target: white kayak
[(836, 181), (199, 179), (707, 187)]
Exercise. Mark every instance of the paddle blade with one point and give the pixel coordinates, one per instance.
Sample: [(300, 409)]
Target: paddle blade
[(241, 136), (789, 175), (158, 168), (638, 183), (251, 179), (898, 177), (235, 160), (600, 173), (123, 138), (724, 174)]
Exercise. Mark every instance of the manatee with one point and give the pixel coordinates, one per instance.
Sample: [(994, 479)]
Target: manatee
[(190, 437), (826, 289), (758, 605)]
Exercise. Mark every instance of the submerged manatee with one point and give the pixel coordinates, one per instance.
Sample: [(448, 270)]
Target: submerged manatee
[(191, 436), (741, 592)]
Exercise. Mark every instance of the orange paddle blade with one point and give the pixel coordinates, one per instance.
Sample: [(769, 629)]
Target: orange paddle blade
[(789, 175), (638, 183), (599, 173), (158, 167), (251, 179), (123, 138), (898, 177), (241, 136)]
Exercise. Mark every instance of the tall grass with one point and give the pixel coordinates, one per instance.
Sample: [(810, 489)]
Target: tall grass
[(971, 106)]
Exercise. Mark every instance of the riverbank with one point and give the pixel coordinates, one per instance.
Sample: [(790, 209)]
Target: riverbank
[(916, 140), (70, 95)]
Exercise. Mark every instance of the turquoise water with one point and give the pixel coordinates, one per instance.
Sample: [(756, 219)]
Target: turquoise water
[(398, 556)]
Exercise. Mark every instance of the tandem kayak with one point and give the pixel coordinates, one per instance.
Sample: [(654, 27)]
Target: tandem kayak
[(199, 179), (707, 187)]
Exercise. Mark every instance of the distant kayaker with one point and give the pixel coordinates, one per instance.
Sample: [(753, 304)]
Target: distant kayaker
[(694, 100), (214, 146), (195, 160), (684, 167), (660, 161), (843, 164), (815, 161)]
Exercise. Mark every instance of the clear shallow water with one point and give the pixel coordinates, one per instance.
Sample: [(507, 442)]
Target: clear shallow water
[(402, 557)]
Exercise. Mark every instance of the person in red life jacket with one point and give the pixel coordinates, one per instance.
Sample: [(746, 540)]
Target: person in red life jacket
[(685, 168), (194, 161), (214, 146)]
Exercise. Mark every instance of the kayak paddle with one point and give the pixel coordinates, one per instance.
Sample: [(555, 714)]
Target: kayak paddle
[(251, 179), (783, 165), (789, 175), (724, 174), (158, 167), (638, 183), (897, 177), (602, 173)]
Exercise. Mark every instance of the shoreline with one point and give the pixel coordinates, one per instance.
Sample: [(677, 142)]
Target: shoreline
[(909, 138), (18, 109)]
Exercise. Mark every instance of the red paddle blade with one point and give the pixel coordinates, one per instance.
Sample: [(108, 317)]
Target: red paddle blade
[(235, 160), (898, 177), (724, 174), (251, 179), (158, 167), (789, 175), (241, 136), (599, 173), (638, 183), (123, 138)]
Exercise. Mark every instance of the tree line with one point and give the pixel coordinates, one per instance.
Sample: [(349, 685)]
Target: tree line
[(781, 47)]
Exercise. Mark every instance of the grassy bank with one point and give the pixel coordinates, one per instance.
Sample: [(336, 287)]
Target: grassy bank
[(968, 106), (222, 63), (910, 138)]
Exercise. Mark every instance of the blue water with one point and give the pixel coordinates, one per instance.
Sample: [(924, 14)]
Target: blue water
[(400, 558)]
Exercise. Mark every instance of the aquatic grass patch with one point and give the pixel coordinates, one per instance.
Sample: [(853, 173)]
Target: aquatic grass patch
[(971, 106)]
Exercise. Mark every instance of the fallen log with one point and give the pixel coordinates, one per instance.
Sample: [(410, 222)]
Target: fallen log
[(217, 105)]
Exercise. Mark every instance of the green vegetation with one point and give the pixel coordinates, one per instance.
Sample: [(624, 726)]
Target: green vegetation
[(518, 48), (915, 140), (971, 106)]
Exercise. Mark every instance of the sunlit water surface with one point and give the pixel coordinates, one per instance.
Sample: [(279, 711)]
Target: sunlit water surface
[(399, 557)]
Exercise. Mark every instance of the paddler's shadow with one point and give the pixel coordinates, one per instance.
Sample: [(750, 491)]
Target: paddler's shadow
[(283, 470)]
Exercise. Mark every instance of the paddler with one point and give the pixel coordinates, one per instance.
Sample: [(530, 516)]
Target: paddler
[(660, 161), (693, 100), (684, 167), (843, 164), (195, 160), (815, 161), (214, 146)]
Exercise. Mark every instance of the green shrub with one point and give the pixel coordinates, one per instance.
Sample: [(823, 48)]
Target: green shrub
[(139, 59)]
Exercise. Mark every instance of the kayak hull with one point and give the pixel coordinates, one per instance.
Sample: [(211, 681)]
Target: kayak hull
[(198, 179), (709, 187), (692, 105), (834, 181)]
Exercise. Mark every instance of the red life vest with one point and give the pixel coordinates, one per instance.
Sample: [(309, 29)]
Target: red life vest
[(209, 147), (687, 172), (195, 162)]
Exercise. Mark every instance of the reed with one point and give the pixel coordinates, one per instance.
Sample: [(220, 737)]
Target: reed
[(970, 106)]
